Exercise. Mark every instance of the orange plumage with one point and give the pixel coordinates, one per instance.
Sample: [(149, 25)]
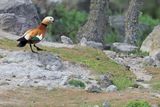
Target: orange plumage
[(35, 35)]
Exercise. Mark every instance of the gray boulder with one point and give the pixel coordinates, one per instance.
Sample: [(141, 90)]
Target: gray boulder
[(148, 60), (157, 59), (111, 88), (93, 44), (124, 47), (96, 45), (93, 88), (16, 16), (66, 40), (152, 43), (104, 81)]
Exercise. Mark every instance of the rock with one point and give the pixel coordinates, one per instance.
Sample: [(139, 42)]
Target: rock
[(111, 88), (148, 60), (28, 69), (124, 47), (157, 59), (83, 41), (93, 44), (17, 16), (110, 54), (104, 81), (152, 43), (97, 45), (66, 40), (155, 105), (107, 47), (106, 104), (93, 88)]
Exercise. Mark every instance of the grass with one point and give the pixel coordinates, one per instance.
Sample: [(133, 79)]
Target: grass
[(94, 59), (76, 83), (138, 103), (140, 53)]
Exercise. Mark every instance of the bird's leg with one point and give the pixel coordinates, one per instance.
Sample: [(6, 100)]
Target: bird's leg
[(31, 48), (38, 49)]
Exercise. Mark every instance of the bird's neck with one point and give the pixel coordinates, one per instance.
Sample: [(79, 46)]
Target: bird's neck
[(42, 26)]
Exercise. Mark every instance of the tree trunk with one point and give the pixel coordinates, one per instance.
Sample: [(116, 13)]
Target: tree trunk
[(96, 26), (131, 21)]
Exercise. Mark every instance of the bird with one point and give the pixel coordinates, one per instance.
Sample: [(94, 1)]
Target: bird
[(35, 35)]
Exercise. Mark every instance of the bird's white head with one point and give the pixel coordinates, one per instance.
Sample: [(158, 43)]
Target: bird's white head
[(47, 20)]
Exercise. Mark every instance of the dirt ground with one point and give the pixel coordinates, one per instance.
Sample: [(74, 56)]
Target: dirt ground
[(39, 97)]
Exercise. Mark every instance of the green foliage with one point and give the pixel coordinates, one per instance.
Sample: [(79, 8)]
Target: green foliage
[(148, 20), (67, 21), (111, 37), (76, 83), (140, 53), (120, 81), (156, 86), (138, 103)]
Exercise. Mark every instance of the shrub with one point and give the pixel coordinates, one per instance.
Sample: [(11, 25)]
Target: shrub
[(76, 83), (67, 21), (138, 103), (111, 37), (148, 20)]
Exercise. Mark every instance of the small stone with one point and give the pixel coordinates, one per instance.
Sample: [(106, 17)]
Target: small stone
[(13, 76), (95, 45), (104, 81), (93, 88), (124, 47), (106, 104), (148, 60), (110, 54), (8, 79), (35, 81), (4, 83), (66, 40), (111, 88), (83, 41)]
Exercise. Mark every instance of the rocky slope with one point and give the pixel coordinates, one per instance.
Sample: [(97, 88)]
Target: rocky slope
[(20, 68)]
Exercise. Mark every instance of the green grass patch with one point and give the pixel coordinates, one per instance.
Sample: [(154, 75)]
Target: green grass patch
[(138, 103), (77, 83), (156, 85), (140, 53), (120, 81), (94, 59)]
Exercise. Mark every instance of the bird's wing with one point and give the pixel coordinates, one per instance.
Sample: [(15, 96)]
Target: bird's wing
[(33, 34)]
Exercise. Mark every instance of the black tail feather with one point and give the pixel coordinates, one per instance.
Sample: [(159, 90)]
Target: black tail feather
[(22, 42)]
